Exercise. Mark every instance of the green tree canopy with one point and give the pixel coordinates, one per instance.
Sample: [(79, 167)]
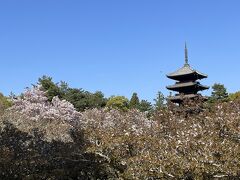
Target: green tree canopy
[(134, 102), (80, 98), (159, 101), (219, 93), (145, 106), (4, 103), (50, 87), (97, 100), (118, 102), (234, 96)]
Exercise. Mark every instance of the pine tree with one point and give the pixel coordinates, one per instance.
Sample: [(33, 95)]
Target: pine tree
[(134, 102), (50, 87), (159, 101), (145, 106), (219, 93)]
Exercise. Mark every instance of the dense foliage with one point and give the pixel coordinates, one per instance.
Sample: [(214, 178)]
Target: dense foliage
[(171, 145), (83, 100), (159, 101), (118, 102), (219, 93), (234, 96), (78, 97), (4, 103), (47, 138), (134, 101)]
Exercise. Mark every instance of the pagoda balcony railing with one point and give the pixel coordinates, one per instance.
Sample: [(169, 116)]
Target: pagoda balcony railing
[(184, 94), (187, 82)]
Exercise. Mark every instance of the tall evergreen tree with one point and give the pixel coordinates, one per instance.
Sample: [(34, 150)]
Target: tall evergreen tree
[(78, 97), (97, 100), (134, 102), (50, 87), (145, 106), (219, 93), (159, 101)]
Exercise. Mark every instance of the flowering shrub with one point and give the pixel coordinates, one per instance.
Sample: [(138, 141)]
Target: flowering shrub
[(33, 110), (170, 145), (34, 104), (132, 122), (105, 143), (43, 140), (26, 156)]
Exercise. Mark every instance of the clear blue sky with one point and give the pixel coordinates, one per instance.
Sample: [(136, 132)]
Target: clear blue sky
[(117, 46)]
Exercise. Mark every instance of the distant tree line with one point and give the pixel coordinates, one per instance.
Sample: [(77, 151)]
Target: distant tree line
[(83, 100), (80, 98)]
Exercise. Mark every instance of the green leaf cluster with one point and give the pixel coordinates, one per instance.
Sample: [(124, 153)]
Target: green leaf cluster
[(122, 103), (118, 102)]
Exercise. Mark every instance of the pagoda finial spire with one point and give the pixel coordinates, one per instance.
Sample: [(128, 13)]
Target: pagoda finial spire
[(186, 54)]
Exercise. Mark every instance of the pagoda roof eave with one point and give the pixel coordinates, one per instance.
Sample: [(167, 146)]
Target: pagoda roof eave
[(180, 98), (186, 70), (194, 74), (187, 84)]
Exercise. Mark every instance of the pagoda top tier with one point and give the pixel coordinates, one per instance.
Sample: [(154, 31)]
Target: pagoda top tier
[(186, 73)]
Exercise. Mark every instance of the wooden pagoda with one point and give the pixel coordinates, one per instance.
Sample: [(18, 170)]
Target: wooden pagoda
[(187, 85)]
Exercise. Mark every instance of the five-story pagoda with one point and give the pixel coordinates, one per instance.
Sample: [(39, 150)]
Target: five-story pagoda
[(187, 84)]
